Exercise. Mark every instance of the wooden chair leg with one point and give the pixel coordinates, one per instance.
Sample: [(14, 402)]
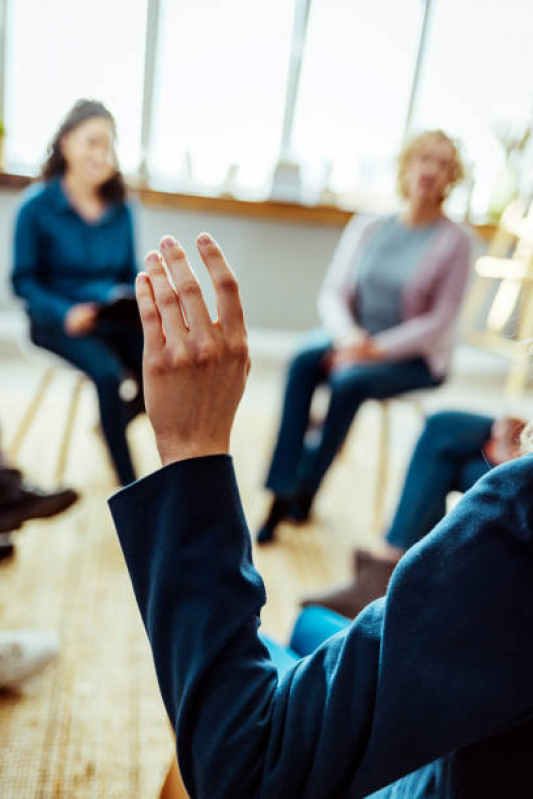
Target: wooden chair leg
[(382, 471), (26, 421), (67, 432)]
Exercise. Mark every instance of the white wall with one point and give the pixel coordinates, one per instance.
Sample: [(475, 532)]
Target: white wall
[(280, 265)]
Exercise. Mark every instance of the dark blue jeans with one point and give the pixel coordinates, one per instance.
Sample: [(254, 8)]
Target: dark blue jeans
[(298, 467), (448, 457), (107, 356)]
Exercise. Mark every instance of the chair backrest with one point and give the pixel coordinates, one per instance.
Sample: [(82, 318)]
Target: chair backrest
[(498, 313)]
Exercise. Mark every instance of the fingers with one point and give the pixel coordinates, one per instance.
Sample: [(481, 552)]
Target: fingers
[(229, 306), (165, 297), (150, 318), (187, 286)]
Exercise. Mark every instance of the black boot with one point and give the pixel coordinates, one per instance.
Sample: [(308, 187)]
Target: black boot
[(7, 549), (20, 501), (299, 508), (277, 512)]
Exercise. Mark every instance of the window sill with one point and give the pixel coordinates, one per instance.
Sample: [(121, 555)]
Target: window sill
[(330, 215)]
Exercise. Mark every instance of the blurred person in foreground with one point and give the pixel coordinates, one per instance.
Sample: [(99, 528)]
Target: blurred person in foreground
[(389, 306), (74, 265), (428, 693)]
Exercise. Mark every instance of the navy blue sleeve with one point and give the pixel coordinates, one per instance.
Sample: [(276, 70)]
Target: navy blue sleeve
[(43, 305), (444, 660)]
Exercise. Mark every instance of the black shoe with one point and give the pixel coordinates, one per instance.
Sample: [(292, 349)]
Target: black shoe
[(277, 512), (299, 508), (7, 550), (20, 501)]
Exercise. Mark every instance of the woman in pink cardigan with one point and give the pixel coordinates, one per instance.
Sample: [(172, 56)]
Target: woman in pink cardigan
[(389, 307)]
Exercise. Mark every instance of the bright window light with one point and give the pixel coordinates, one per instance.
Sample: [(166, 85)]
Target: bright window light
[(356, 76), (220, 92), (59, 51), (477, 75)]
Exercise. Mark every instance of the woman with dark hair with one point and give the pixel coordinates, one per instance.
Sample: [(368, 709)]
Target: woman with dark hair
[(74, 254)]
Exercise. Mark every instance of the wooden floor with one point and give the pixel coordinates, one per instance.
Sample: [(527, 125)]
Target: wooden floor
[(93, 724)]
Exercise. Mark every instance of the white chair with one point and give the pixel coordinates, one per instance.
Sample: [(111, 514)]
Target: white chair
[(415, 400)]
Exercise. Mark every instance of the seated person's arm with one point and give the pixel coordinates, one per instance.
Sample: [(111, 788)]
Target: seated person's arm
[(442, 661), (338, 287), (417, 335), (44, 305)]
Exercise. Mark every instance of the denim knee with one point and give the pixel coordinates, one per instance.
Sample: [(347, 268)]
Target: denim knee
[(454, 431), (306, 361)]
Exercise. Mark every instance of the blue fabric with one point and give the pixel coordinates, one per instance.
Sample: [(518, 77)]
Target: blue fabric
[(282, 657), (386, 266), (313, 626), (448, 457), (60, 259), (298, 466), (437, 668)]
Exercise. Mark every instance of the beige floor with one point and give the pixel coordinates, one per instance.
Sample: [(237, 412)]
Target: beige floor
[(93, 724)]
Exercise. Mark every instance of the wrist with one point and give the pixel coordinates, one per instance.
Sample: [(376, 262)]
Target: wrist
[(174, 452)]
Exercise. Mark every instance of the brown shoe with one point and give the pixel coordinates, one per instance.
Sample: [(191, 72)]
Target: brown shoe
[(366, 563), (350, 599), (345, 599)]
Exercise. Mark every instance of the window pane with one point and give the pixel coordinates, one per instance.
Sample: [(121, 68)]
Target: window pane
[(354, 90), (59, 51), (472, 82), (220, 90)]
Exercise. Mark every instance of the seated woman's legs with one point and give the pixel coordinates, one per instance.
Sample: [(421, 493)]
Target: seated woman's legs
[(350, 387), (304, 374), (100, 362), (448, 457), (128, 345)]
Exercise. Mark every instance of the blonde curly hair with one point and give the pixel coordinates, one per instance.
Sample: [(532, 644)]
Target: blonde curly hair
[(457, 172)]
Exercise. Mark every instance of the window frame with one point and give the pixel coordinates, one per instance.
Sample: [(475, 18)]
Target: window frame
[(141, 176)]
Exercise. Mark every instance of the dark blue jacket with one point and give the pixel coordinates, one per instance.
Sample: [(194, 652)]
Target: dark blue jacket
[(440, 671), (60, 259)]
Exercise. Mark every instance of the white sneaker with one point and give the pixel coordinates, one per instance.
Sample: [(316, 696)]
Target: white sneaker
[(24, 653)]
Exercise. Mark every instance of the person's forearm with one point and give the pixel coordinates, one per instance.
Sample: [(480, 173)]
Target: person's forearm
[(188, 550), (43, 305)]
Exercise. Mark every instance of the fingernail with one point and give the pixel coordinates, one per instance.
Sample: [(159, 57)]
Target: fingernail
[(153, 256), (204, 238), (168, 241)]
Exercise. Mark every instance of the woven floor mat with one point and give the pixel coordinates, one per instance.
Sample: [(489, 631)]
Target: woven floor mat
[(92, 724)]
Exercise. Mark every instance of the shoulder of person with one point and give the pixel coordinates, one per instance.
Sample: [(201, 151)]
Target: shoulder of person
[(509, 489), (363, 222), (35, 196), (130, 207), (459, 232)]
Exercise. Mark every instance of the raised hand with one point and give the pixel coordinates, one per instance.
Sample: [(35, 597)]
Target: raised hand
[(194, 369)]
